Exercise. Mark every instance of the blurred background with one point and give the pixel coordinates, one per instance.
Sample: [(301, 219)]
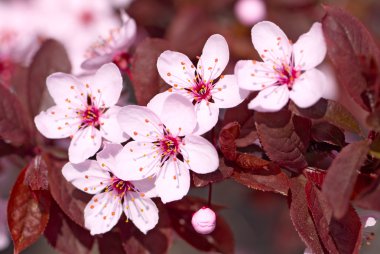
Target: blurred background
[(260, 221)]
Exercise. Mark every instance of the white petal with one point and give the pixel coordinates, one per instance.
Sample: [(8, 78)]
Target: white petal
[(143, 212), (178, 115), (96, 62), (310, 49), (107, 85), (87, 176), (57, 122), (85, 143), (214, 58), (271, 42), (110, 128), (173, 181), (146, 187), (140, 123), (64, 88), (176, 69), (137, 160), (207, 117), (102, 213), (226, 92), (253, 75), (200, 154), (307, 88), (106, 158), (127, 33), (271, 99), (157, 102)]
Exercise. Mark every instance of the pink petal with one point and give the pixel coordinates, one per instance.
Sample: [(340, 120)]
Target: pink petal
[(157, 102), (173, 181), (200, 154), (137, 160), (140, 123), (107, 85), (178, 115), (106, 158), (127, 33), (176, 69), (57, 122), (110, 128), (143, 212), (87, 176), (270, 99), (310, 49), (146, 187), (96, 62), (253, 75), (214, 58), (307, 88), (85, 143), (226, 92), (271, 42), (102, 213), (64, 88), (207, 117)]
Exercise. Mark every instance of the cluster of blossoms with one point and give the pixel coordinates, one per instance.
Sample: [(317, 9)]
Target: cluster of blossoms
[(165, 140)]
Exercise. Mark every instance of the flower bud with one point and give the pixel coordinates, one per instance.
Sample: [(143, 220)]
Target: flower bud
[(250, 12), (204, 220)]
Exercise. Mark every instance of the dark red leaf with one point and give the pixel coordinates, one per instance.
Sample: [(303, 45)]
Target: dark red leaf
[(36, 175), (284, 138), (342, 174), (223, 172), (65, 235), (301, 218), (315, 175), (70, 199), (111, 243), (354, 54), (227, 137), (28, 213), (220, 240), (15, 123), (328, 133), (50, 58), (145, 77), (370, 199)]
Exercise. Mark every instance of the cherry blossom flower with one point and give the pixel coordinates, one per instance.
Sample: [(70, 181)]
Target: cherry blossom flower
[(287, 70), (165, 147), (204, 85), (204, 220), (249, 12), (112, 194), (84, 112), (114, 48)]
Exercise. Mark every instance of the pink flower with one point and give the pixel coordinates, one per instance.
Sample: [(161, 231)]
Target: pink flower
[(288, 70), (85, 112), (165, 147), (204, 220), (249, 12), (114, 48), (112, 194), (203, 86)]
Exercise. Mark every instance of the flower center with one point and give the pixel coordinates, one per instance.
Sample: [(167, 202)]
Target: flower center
[(6, 68), (287, 75), (90, 116), (122, 60), (169, 145), (120, 187), (201, 91)]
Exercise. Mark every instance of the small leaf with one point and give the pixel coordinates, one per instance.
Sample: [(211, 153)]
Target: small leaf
[(28, 213), (284, 138), (227, 137), (50, 58), (222, 173), (66, 236), (342, 174), (354, 54), (328, 133), (36, 175), (145, 77)]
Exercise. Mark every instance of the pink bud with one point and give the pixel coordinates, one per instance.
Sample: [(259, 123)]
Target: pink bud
[(250, 12), (204, 220)]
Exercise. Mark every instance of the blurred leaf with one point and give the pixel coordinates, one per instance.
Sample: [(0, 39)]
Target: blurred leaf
[(15, 124), (301, 218), (71, 200), (50, 58), (331, 112), (223, 172), (354, 54), (375, 147), (36, 175), (65, 235), (145, 77), (111, 243), (28, 213), (284, 138), (342, 174), (220, 240), (328, 133)]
